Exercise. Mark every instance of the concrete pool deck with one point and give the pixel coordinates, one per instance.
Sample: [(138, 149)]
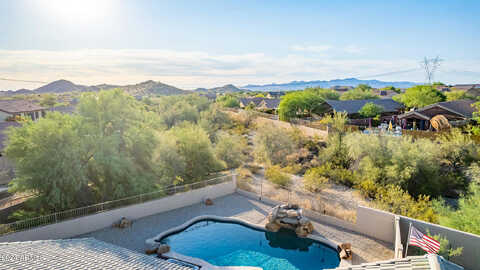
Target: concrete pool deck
[(365, 249)]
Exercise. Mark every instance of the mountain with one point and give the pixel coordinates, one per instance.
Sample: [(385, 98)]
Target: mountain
[(62, 86), (229, 88), (152, 88), (298, 85)]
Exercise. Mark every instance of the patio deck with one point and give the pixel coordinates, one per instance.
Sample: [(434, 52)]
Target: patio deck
[(365, 249)]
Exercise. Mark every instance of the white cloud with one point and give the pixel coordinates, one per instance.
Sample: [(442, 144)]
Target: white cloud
[(312, 49), (191, 69)]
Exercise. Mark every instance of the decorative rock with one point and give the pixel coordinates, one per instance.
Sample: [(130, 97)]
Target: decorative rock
[(208, 201), (163, 249), (289, 217), (151, 251), (345, 251), (123, 223)]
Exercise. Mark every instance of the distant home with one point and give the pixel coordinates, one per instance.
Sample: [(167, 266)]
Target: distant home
[(261, 104), (353, 107), (385, 94), (341, 88), (9, 109), (470, 89), (455, 111), (278, 94), (442, 88)]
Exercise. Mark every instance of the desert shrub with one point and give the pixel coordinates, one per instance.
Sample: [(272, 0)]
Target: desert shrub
[(275, 175), (420, 166), (314, 180), (272, 144), (335, 174), (213, 119), (368, 188), (393, 199), (292, 169), (465, 217), (244, 173), (230, 149)]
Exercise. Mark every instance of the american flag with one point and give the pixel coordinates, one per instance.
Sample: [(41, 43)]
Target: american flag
[(422, 241)]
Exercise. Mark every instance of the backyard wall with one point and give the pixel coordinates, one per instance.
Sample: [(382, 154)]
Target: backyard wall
[(470, 258), (82, 225)]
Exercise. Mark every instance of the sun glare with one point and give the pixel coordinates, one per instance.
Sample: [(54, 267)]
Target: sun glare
[(78, 10)]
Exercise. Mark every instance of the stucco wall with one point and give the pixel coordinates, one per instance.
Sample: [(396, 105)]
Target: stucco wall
[(470, 258), (95, 222)]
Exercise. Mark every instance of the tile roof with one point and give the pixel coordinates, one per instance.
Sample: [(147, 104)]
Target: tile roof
[(462, 107), (255, 100), (83, 253), (426, 262), (19, 106), (271, 103), (353, 106)]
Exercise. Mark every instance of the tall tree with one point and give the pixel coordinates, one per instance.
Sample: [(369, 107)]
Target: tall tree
[(420, 96)]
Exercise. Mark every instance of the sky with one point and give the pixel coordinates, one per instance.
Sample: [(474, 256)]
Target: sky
[(192, 44)]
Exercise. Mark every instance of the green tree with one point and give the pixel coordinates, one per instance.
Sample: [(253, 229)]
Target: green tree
[(420, 96), (228, 101), (327, 94), (230, 149), (194, 145), (50, 160), (370, 110), (272, 144), (362, 91), (456, 95), (391, 88), (300, 103), (48, 100)]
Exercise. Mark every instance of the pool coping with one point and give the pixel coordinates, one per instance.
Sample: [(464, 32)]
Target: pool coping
[(151, 243)]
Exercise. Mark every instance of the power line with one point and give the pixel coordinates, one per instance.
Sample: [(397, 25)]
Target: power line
[(389, 73), (15, 80)]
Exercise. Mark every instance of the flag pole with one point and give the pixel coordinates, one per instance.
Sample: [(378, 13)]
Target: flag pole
[(408, 238)]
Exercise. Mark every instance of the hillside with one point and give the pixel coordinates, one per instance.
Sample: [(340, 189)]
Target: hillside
[(152, 88), (298, 85), (229, 88)]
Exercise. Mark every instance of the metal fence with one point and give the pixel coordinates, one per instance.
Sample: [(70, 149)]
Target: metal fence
[(106, 206)]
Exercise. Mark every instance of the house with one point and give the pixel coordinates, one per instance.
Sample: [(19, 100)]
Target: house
[(268, 104), (244, 102), (385, 94), (261, 104), (353, 107), (456, 112), (9, 109), (341, 88), (442, 88), (471, 89), (275, 94)]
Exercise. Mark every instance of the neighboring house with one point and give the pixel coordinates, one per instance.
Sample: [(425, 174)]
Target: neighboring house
[(209, 96), (442, 88), (353, 107), (269, 105), (275, 94), (454, 111), (9, 109), (341, 88), (261, 104), (244, 102), (385, 94), (470, 89)]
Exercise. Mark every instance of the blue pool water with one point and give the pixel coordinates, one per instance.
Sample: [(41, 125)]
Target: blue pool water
[(232, 244)]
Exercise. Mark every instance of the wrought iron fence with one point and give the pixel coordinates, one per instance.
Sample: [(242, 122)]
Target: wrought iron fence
[(106, 206)]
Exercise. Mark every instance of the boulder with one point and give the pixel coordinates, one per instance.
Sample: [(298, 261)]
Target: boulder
[(208, 201), (163, 249), (123, 223), (272, 227)]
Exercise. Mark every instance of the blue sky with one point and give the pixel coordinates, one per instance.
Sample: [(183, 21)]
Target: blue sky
[(209, 43)]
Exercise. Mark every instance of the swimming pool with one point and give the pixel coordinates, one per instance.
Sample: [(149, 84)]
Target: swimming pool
[(231, 244)]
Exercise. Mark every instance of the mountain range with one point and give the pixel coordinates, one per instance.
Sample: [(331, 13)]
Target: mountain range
[(157, 88), (298, 85)]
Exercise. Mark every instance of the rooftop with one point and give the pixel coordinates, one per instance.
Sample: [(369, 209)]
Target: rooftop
[(19, 106), (354, 106), (83, 253)]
